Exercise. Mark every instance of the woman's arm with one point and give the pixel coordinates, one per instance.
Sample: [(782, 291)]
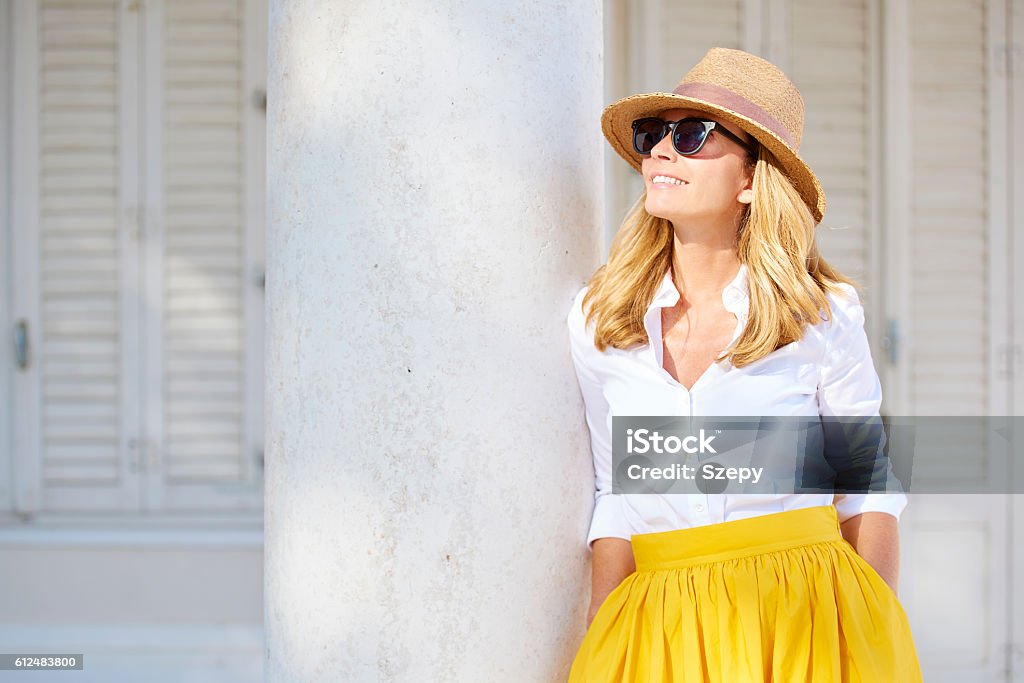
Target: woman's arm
[(875, 537), (849, 387), (612, 561), (608, 538)]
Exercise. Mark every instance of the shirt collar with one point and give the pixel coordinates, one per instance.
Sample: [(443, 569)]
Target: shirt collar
[(735, 295)]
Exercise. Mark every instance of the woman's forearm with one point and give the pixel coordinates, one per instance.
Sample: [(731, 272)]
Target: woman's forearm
[(612, 561), (875, 537)]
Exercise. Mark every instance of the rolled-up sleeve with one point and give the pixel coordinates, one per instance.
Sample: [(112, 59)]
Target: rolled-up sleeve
[(849, 387), (607, 520)]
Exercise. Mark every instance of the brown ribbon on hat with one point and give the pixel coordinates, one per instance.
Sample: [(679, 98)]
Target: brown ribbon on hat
[(740, 105)]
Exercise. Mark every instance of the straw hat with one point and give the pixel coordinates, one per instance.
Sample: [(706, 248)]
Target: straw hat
[(738, 87)]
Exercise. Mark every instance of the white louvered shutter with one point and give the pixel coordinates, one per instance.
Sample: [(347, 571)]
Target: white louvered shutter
[(205, 280), (81, 346), (949, 242), (828, 62), (962, 636), (144, 304), (685, 40)]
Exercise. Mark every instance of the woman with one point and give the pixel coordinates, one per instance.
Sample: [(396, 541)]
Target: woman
[(715, 301)]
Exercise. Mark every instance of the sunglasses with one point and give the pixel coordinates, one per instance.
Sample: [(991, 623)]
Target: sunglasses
[(688, 135)]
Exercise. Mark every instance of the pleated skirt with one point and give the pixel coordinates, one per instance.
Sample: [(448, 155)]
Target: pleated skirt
[(781, 597)]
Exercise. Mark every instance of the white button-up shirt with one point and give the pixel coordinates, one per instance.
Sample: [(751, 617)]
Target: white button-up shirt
[(827, 372)]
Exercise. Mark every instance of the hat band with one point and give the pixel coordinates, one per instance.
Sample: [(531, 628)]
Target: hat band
[(716, 94)]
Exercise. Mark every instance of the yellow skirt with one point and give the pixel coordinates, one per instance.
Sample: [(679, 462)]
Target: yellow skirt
[(781, 597)]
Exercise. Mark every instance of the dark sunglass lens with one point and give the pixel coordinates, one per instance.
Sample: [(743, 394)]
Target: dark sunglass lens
[(646, 135), (688, 136)]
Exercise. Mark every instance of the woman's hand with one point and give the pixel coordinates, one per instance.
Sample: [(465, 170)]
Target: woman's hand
[(875, 537), (612, 562)]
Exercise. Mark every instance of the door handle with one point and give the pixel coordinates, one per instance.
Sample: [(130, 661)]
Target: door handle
[(891, 341), (21, 343)]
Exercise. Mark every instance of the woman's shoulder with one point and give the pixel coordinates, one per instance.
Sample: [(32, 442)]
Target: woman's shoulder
[(576, 317), (845, 302), (847, 311), (581, 330)]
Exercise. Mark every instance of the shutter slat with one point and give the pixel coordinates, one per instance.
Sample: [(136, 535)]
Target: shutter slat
[(203, 470)]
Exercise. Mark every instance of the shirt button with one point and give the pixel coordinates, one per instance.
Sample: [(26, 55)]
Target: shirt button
[(700, 508)]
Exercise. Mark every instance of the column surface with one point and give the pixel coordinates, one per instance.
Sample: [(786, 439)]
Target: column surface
[(434, 202)]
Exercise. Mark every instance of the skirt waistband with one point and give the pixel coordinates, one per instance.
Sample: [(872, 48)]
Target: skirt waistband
[(737, 538)]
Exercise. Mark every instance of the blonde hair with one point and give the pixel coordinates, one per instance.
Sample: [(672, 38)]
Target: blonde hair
[(787, 277)]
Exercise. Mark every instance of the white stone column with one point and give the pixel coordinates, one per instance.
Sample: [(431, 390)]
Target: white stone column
[(434, 202)]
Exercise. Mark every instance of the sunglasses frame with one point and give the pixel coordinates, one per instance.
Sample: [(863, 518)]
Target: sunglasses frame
[(670, 127)]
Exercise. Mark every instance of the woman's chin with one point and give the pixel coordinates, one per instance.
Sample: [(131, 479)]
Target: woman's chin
[(659, 209)]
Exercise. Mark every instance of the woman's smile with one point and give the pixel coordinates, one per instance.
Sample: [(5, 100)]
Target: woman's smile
[(665, 182)]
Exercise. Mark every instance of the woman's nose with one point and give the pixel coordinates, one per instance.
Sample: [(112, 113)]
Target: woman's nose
[(663, 149)]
